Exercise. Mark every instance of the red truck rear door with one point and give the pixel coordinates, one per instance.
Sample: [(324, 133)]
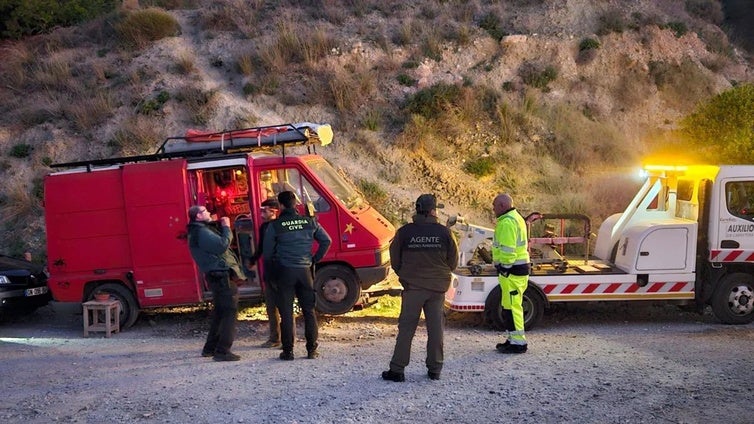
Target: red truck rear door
[(156, 205)]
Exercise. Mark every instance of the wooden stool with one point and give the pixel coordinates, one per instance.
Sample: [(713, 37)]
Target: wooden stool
[(111, 309)]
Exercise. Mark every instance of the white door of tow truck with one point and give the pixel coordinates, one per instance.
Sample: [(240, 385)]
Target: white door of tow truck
[(735, 226)]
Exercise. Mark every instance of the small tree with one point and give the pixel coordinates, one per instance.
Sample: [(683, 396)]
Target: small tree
[(723, 128)]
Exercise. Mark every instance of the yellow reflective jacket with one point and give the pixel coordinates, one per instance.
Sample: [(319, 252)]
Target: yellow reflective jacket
[(509, 247)]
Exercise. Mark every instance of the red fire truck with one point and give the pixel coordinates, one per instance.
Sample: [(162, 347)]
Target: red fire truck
[(119, 225)]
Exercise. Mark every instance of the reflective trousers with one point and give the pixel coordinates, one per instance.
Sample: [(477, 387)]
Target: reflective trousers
[(512, 288)]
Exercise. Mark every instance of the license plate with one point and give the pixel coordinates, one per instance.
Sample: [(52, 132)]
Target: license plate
[(36, 291)]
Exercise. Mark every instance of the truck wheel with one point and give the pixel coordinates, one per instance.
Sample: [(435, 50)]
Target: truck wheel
[(337, 289), (733, 301), (129, 310), (534, 309)]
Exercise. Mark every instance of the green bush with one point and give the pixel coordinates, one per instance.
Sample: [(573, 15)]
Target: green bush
[(491, 23), (537, 76), (480, 167), (588, 43), (432, 101), (410, 64), (153, 105), (28, 17), (372, 120), (679, 28), (21, 150), (406, 80), (139, 28), (372, 191), (723, 128)]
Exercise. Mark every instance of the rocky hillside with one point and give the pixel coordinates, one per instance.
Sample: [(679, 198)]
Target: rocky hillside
[(553, 101)]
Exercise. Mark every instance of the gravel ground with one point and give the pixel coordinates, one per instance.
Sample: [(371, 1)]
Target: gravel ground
[(597, 363)]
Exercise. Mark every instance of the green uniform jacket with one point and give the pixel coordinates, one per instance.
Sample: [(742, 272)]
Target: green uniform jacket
[(210, 248), (423, 254)]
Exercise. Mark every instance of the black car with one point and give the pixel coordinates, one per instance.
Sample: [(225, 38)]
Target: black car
[(23, 286)]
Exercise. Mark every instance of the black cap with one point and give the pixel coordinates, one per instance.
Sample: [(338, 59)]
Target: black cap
[(426, 203), (271, 203)]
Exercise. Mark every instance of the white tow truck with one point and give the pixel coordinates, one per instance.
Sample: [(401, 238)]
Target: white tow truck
[(687, 235)]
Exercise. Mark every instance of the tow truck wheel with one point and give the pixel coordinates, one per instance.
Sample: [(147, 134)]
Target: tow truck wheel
[(337, 289), (129, 310), (534, 309), (733, 301)]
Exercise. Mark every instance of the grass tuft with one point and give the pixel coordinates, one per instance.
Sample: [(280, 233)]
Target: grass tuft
[(139, 28)]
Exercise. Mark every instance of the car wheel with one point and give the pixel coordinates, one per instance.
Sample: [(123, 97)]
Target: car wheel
[(337, 289), (129, 309), (533, 305), (733, 300)]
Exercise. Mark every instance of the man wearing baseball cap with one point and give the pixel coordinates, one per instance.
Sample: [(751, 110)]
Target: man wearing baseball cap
[(423, 254)]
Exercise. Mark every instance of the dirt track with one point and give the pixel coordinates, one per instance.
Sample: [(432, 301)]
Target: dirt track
[(629, 363)]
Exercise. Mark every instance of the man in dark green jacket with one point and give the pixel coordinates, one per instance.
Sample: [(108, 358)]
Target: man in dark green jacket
[(210, 249), (288, 245), (423, 254)]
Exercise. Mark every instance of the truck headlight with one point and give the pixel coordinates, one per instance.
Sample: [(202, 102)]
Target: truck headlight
[(4, 280)]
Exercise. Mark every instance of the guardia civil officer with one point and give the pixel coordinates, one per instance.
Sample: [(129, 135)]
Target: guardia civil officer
[(511, 259), (288, 246), (423, 254), (209, 247)]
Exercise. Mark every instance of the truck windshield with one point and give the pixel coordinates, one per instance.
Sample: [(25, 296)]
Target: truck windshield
[(343, 190)]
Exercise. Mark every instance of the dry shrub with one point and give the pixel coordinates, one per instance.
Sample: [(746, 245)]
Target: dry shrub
[(505, 116), (710, 10), (87, 111), (431, 45), (351, 86), (19, 201), (218, 17), (682, 85), (140, 28), (630, 90), (174, 4), (200, 104), (138, 135), (416, 133), (317, 43), (245, 63), (577, 142), (185, 62), (407, 32), (53, 72), (16, 63), (612, 20), (609, 192)]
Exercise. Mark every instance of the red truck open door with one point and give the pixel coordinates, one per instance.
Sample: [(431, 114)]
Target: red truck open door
[(156, 203)]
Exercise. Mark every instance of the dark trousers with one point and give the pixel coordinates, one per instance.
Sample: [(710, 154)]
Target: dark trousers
[(222, 329), (296, 282), (413, 302), (270, 300)]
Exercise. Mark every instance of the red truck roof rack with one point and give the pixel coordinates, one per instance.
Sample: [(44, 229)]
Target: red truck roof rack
[(198, 143)]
